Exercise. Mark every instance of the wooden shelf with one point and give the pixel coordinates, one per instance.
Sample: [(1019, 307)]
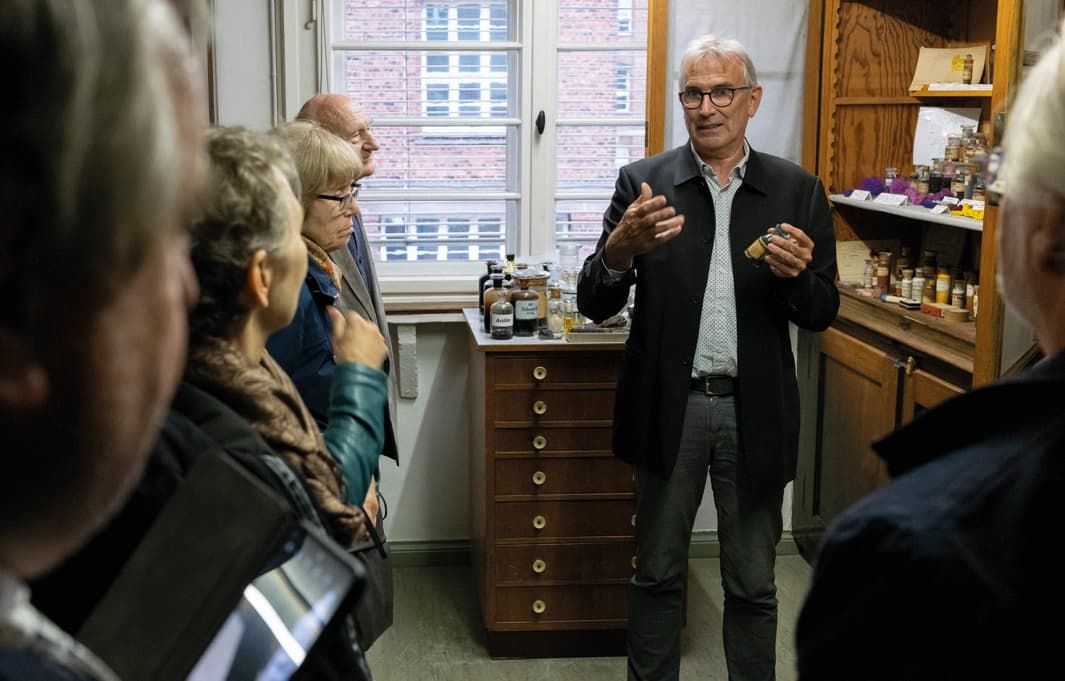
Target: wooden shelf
[(950, 342), (911, 212), (977, 91)]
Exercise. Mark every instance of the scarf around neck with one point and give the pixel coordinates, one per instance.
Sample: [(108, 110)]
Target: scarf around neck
[(266, 398), (321, 258)]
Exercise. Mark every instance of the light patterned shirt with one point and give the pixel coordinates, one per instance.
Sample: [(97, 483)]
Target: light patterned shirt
[(716, 348)]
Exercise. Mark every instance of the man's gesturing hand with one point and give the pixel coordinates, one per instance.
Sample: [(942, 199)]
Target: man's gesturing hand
[(647, 222)]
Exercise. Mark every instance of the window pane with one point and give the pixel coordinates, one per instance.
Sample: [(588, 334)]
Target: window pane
[(497, 29), (436, 63), (589, 83), (435, 230), (469, 63), (437, 158), (436, 22), (436, 96), (469, 22), (600, 21), (470, 99), (581, 222), (388, 20), (589, 155), (399, 86)]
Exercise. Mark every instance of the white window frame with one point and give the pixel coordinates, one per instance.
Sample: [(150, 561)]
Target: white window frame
[(304, 44)]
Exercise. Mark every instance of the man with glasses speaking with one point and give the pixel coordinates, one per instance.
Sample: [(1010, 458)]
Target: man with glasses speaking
[(708, 382)]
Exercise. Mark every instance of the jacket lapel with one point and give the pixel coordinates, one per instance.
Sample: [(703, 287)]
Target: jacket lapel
[(354, 295)]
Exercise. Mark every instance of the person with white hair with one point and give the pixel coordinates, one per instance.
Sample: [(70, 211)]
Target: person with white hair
[(950, 571), (707, 386), (100, 160)]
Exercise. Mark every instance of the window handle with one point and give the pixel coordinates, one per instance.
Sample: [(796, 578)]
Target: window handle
[(541, 119)]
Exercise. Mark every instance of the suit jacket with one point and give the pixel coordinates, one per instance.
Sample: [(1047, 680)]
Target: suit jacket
[(950, 571), (355, 297), (653, 383)]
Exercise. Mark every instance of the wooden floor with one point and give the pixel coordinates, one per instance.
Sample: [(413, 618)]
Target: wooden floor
[(437, 635)]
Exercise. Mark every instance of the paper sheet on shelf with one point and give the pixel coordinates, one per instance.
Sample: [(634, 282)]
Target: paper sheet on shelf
[(934, 125), (946, 64), (851, 257)]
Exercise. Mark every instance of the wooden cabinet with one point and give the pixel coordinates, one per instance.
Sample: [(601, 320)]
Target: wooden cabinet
[(552, 509), (863, 385), (880, 365)]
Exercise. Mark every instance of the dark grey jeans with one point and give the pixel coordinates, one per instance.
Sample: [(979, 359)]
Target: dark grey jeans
[(748, 530)]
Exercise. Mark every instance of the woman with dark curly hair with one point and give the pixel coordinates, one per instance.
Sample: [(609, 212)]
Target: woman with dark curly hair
[(251, 262)]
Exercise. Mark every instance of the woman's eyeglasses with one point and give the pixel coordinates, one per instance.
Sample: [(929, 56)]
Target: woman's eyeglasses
[(347, 201)]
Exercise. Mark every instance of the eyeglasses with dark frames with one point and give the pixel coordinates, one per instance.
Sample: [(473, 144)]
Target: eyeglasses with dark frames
[(692, 98), (347, 201)]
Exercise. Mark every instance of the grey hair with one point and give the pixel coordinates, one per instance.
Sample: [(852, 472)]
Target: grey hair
[(722, 48), (1033, 162), (89, 146), (243, 211)]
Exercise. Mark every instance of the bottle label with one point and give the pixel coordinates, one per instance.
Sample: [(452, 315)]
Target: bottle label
[(502, 320), (526, 309)]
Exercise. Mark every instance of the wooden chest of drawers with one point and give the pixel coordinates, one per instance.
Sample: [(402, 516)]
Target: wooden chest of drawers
[(552, 509)]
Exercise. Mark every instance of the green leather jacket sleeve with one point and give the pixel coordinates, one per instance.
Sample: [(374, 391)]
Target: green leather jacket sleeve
[(355, 435)]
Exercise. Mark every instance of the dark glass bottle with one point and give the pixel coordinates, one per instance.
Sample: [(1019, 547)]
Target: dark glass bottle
[(526, 309), (482, 283), (501, 315), (491, 294), (486, 286)]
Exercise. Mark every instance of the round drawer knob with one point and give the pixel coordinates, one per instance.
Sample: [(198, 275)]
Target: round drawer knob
[(539, 522), (634, 562), (539, 566), (633, 520), (539, 442), (539, 407), (539, 607), (539, 478), (540, 373)]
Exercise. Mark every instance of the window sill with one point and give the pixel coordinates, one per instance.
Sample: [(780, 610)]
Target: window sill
[(406, 294)]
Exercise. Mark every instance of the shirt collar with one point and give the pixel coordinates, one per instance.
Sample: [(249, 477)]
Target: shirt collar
[(739, 171)]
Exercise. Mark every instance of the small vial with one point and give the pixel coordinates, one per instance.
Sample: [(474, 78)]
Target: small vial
[(555, 312), (890, 175), (957, 294), (760, 246), (569, 313)]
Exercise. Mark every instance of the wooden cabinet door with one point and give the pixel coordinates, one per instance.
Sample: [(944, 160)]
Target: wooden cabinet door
[(922, 390), (853, 401)]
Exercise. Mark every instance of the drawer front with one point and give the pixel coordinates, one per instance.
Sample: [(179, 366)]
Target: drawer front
[(564, 562), (537, 441), (563, 476), (577, 603), (555, 369), (542, 407), (578, 518)]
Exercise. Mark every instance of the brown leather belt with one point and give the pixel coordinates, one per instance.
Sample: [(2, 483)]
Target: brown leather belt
[(718, 386)]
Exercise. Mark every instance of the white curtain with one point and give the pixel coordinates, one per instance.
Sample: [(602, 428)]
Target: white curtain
[(774, 32)]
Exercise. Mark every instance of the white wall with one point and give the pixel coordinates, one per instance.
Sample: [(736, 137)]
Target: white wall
[(428, 493), (244, 91)]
